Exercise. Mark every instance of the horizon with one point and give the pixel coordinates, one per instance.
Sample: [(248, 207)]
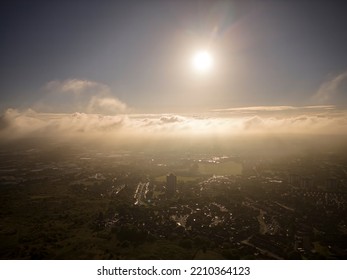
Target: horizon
[(244, 102)]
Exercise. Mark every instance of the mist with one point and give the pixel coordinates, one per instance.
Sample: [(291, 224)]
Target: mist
[(262, 130)]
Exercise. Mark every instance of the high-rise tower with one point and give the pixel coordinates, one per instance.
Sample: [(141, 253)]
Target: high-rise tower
[(171, 182)]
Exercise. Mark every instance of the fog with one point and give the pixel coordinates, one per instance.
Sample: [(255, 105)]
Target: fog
[(281, 129)]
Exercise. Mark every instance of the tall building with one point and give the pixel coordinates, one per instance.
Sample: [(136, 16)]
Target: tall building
[(171, 182), (306, 183), (294, 180)]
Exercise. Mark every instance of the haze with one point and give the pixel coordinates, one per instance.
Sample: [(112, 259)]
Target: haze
[(241, 104)]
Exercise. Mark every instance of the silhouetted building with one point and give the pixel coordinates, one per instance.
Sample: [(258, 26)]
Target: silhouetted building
[(294, 180), (171, 182), (306, 183), (332, 183)]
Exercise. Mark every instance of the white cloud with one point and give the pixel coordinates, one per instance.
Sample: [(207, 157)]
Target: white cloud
[(255, 108), (75, 86), (328, 90), (170, 119), (79, 95), (14, 124), (106, 105), (265, 109)]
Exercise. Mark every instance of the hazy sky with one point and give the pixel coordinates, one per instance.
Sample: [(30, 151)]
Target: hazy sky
[(83, 55)]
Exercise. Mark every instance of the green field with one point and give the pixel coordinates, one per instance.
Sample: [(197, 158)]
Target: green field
[(224, 168)]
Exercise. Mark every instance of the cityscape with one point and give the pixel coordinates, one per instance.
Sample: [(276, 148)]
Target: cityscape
[(173, 130), (92, 204)]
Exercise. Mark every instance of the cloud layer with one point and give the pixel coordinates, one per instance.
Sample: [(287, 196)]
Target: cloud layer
[(92, 111), (306, 121)]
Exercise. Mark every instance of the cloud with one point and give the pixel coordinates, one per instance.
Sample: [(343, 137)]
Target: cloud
[(106, 105), (329, 89), (75, 86), (255, 108), (19, 124), (277, 109), (170, 119), (27, 123), (79, 95)]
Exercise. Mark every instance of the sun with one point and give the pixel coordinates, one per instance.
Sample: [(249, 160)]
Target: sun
[(202, 61)]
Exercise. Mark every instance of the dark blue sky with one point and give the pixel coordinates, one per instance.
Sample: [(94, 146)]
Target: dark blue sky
[(266, 52)]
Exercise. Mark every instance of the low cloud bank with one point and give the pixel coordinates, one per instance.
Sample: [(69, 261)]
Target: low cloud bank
[(27, 123), (95, 112)]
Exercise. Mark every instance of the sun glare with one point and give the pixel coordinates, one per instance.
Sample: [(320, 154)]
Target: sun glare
[(202, 61)]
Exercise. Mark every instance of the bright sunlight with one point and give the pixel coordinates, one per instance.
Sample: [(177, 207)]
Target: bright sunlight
[(202, 61)]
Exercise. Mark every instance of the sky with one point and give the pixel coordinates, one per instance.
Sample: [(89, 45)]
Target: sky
[(274, 63)]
